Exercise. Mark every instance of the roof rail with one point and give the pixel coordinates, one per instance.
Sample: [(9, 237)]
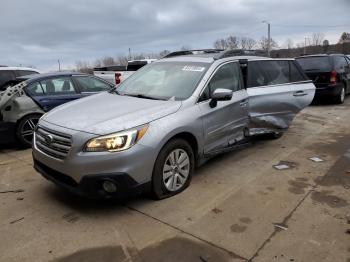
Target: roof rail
[(239, 52), (193, 52)]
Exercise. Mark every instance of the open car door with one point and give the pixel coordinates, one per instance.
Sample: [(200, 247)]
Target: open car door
[(277, 90)]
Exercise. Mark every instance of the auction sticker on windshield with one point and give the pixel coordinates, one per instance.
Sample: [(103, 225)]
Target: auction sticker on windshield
[(193, 68)]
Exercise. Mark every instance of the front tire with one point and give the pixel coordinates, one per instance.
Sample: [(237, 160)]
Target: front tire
[(173, 169), (25, 129)]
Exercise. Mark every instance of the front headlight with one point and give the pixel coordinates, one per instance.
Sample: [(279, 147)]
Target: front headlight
[(116, 142)]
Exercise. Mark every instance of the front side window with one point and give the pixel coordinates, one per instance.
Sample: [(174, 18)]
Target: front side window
[(91, 84), (227, 76), (164, 80), (58, 86)]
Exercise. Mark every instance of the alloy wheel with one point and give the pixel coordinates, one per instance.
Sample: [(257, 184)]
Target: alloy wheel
[(176, 169), (27, 129)]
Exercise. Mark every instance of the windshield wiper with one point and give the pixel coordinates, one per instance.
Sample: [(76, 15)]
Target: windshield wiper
[(312, 69), (143, 96)]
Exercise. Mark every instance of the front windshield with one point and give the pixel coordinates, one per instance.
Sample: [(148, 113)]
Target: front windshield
[(164, 80)]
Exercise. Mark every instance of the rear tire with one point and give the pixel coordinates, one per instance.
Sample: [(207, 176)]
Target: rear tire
[(25, 129), (173, 169), (339, 99)]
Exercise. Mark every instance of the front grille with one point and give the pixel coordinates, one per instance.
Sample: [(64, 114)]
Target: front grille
[(52, 143)]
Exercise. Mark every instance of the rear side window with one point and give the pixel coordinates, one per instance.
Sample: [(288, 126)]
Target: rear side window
[(91, 84), (58, 86), (227, 77), (315, 63), (5, 77), (35, 89), (277, 72), (295, 74), (273, 72), (339, 63)]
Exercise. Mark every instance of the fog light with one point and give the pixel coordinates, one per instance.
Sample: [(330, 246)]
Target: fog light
[(109, 186)]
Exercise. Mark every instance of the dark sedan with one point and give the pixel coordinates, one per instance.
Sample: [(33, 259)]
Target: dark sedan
[(22, 105)]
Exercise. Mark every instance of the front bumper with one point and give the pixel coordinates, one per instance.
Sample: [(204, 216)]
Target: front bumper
[(90, 186), (82, 172)]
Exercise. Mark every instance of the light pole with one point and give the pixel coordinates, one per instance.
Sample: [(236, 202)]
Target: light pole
[(268, 37)]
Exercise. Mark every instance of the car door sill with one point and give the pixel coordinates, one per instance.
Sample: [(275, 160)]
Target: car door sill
[(239, 145)]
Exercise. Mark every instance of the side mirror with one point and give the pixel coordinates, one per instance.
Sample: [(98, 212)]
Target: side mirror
[(220, 94)]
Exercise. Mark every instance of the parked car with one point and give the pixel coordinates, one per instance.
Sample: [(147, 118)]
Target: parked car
[(9, 74), (153, 130), (22, 105), (330, 73), (118, 73)]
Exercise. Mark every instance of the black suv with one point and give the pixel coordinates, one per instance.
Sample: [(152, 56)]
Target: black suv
[(330, 74)]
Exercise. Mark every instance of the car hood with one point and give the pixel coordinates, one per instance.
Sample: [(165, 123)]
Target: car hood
[(106, 113)]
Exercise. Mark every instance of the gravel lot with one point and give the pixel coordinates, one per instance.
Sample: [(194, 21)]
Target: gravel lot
[(238, 207)]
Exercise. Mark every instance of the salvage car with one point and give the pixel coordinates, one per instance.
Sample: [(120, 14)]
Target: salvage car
[(330, 73), (150, 133), (22, 105)]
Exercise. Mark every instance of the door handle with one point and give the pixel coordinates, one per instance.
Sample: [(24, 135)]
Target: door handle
[(243, 103), (299, 93)]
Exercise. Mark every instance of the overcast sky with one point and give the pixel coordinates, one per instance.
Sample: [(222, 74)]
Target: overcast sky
[(38, 32)]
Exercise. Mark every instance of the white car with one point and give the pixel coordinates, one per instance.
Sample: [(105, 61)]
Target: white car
[(9, 74), (118, 73)]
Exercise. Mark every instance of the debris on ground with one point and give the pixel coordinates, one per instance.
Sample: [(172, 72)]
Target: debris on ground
[(216, 210), (281, 226), (348, 231), (20, 198), (316, 159), (281, 166), (17, 220), (12, 191)]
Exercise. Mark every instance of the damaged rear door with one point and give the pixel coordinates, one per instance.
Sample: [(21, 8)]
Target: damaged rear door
[(277, 90)]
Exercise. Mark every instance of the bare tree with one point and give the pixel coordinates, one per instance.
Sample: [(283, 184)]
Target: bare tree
[(317, 39), (232, 42), (122, 60), (107, 61), (264, 43), (84, 67), (221, 44), (185, 48), (164, 53), (243, 43), (250, 43)]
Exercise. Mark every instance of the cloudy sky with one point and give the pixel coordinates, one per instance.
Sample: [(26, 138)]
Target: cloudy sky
[(38, 32)]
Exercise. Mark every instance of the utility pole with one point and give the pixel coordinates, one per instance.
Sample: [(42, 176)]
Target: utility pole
[(305, 46), (59, 65), (129, 53), (268, 37)]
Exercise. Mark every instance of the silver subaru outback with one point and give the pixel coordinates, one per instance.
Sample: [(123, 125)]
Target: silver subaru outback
[(151, 132)]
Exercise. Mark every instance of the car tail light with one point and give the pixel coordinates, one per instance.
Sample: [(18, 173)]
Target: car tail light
[(333, 78), (117, 78)]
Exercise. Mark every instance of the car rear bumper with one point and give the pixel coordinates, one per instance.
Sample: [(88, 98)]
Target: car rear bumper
[(91, 186), (328, 90), (7, 132)]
